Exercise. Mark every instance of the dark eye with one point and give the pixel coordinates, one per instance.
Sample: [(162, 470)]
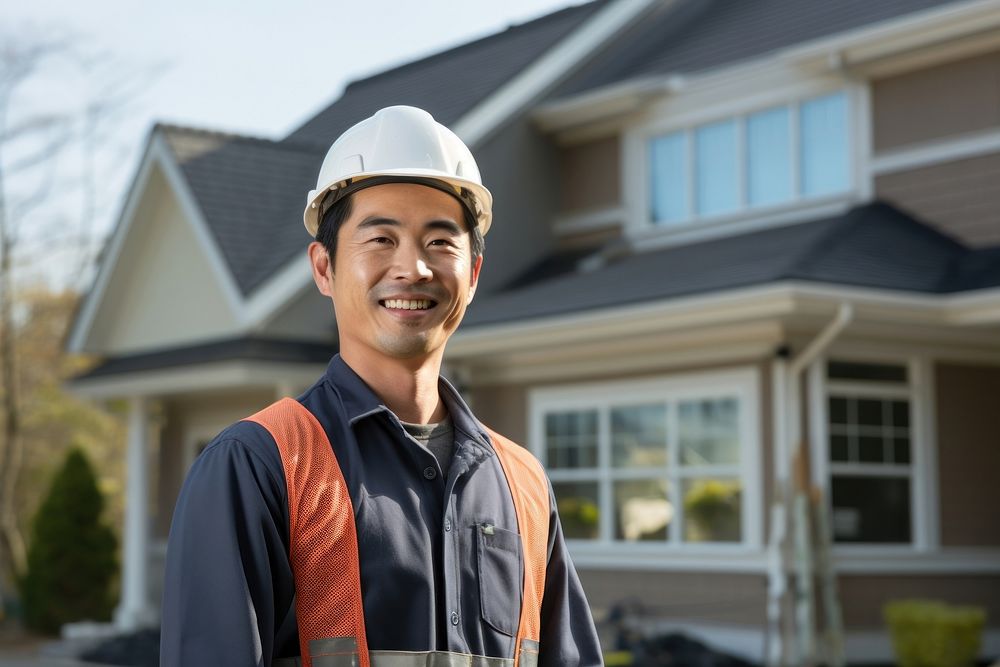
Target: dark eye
[(442, 242), (382, 240)]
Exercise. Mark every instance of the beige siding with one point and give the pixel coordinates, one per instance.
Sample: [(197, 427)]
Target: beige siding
[(937, 102), (961, 198), (163, 291), (968, 441), (862, 597), (683, 596), (589, 176), (504, 409)]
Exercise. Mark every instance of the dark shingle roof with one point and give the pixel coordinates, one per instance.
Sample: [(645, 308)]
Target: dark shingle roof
[(874, 245), (251, 193), (235, 349), (694, 35), (450, 83)]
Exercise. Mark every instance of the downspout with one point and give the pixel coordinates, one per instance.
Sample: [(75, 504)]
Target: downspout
[(792, 492)]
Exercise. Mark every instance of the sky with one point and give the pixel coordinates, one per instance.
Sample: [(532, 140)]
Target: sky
[(251, 67)]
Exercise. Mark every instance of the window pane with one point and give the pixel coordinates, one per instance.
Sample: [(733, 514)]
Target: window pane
[(901, 414), (712, 510), (716, 169), (842, 370), (871, 449), (869, 412), (668, 178), (708, 431), (838, 411), (824, 143), (639, 436), (579, 509), (769, 160), (839, 448), (901, 450), (642, 510), (871, 509), (571, 439)]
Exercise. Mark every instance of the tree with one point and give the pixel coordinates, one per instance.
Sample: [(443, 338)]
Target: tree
[(34, 140), (71, 562)]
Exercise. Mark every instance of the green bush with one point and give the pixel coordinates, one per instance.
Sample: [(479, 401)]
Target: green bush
[(933, 634), (71, 557), (713, 511)]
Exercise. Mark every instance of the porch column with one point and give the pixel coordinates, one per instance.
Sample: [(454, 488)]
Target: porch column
[(134, 610)]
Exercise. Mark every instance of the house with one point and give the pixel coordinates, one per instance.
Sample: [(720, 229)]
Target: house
[(733, 240)]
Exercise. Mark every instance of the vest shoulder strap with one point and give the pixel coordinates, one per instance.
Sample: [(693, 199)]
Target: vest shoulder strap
[(323, 540), (530, 491)]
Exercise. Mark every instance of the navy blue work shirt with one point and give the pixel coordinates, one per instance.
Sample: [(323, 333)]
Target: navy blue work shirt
[(427, 583)]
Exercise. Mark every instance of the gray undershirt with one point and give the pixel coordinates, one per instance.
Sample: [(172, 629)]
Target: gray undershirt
[(438, 438)]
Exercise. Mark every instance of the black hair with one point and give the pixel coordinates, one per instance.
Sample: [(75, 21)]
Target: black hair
[(340, 210)]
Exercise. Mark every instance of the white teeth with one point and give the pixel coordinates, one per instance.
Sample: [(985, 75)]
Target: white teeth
[(408, 304)]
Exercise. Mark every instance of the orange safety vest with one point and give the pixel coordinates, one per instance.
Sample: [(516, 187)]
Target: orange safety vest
[(324, 541)]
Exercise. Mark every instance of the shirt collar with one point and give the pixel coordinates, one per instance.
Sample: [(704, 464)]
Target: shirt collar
[(360, 401)]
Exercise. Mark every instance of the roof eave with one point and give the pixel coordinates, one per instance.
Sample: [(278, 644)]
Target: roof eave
[(892, 46), (776, 300), (603, 104)]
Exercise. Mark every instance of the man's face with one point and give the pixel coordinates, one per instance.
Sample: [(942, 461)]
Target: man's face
[(403, 274)]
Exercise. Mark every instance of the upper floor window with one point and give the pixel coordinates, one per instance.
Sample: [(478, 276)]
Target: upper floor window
[(775, 156)]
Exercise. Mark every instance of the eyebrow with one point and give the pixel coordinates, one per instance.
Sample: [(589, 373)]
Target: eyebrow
[(380, 221)]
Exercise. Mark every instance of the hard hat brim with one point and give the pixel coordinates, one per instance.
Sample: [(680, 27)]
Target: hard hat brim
[(481, 195)]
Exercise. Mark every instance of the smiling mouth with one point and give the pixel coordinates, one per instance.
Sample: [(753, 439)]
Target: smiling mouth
[(407, 304)]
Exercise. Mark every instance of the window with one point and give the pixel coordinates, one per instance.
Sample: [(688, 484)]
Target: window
[(668, 462), (869, 454), (771, 157)]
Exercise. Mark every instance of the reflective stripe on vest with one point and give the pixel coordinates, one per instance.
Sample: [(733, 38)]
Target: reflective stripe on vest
[(328, 603)]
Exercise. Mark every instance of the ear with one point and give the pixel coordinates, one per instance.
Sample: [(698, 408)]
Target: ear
[(322, 268), (474, 277)]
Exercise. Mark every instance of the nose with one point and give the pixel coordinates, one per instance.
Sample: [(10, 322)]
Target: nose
[(410, 264)]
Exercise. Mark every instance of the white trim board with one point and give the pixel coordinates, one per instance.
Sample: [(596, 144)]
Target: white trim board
[(198, 378), (936, 152)]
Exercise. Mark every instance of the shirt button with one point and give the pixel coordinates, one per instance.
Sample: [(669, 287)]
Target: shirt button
[(454, 618), (430, 473), (447, 525)]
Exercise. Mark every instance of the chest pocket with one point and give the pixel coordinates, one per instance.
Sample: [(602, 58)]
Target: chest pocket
[(498, 553)]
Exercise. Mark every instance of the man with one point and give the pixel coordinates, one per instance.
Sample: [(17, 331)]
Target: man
[(374, 520)]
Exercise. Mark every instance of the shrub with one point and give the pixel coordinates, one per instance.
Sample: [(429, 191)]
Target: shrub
[(932, 634), (71, 558)]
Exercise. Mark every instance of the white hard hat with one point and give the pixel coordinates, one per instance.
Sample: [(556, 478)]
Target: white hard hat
[(405, 143)]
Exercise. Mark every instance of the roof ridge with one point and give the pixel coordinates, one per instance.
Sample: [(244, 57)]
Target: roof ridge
[(451, 51), (291, 144)]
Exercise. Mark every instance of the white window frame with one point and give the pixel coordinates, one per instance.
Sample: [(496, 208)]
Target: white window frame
[(636, 167), (919, 392), (742, 384)]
